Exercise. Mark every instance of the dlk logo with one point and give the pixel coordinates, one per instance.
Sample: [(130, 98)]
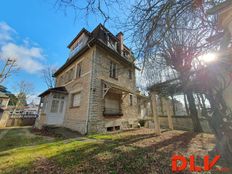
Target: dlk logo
[(208, 165)]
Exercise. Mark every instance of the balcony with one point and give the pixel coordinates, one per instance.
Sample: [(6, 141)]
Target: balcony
[(112, 112)]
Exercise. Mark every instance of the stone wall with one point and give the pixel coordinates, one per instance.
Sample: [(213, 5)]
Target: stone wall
[(76, 117), (96, 66), (4, 116), (183, 123), (20, 122), (101, 68)]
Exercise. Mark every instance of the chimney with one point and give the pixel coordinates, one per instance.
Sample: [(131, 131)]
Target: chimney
[(120, 44)]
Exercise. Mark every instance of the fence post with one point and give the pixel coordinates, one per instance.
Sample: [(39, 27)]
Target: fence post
[(154, 112)]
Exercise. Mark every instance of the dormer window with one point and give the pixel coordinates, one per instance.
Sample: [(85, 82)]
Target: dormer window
[(126, 54), (78, 45)]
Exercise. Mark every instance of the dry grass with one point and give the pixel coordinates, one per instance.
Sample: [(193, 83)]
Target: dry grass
[(136, 151)]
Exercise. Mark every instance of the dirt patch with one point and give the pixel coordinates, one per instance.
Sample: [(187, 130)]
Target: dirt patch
[(57, 132), (44, 165)]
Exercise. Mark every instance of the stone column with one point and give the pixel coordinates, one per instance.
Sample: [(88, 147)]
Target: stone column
[(169, 113), (154, 112)]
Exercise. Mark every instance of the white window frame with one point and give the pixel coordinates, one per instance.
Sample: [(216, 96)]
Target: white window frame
[(72, 99), (113, 66), (78, 70), (53, 109)]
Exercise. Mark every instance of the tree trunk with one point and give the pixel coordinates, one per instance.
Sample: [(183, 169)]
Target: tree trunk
[(186, 105), (201, 101), (193, 112), (221, 129)]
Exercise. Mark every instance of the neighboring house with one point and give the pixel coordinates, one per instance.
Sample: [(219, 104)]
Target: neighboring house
[(30, 110), (95, 89), (4, 100)]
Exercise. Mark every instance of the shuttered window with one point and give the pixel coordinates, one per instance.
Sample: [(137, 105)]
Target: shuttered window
[(112, 106), (76, 99)]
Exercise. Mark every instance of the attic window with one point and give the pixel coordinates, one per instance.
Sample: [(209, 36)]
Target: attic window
[(76, 47), (125, 54), (78, 44)]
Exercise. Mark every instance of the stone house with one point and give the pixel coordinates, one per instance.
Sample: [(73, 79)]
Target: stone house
[(4, 101), (95, 88)]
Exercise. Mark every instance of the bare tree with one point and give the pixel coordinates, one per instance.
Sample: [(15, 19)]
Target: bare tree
[(97, 7), (155, 26), (47, 74), (24, 90), (8, 68)]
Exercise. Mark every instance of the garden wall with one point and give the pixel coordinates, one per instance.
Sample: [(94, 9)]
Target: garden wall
[(20, 122), (183, 123)]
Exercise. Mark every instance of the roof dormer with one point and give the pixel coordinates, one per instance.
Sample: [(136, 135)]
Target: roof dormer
[(78, 42)]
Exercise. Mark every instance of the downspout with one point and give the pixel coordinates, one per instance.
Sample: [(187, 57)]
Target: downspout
[(90, 91)]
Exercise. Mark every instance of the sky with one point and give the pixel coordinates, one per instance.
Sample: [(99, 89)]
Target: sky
[(36, 33)]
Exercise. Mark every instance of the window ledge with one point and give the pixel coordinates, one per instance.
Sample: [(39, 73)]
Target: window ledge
[(74, 107), (115, 78), (113, 115)]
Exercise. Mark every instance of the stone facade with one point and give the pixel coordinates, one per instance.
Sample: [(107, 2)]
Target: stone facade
[(95, 59), (76, 117), (101, 67)]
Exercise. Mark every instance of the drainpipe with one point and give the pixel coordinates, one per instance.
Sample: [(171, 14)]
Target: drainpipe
[(90, 91)]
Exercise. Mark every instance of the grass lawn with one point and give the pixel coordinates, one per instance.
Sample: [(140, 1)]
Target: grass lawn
[(136, 151)]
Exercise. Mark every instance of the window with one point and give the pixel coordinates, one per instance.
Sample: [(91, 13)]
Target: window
[(112, 105), (55, 105), (131, 99), (129, 74), (113, 70), (61, 106), (117, 128), (61, 80), (78, 45), (70, 74), (76, 99), (65, 77), (78, 71)]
